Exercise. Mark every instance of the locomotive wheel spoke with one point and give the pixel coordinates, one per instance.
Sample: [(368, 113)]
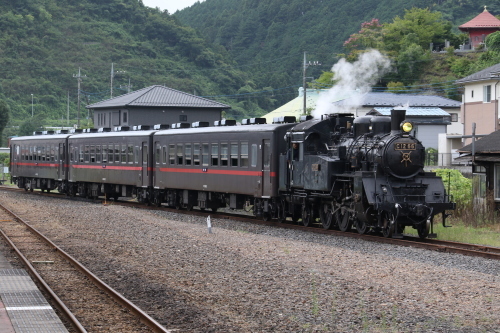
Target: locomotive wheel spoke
[(388, 227), (423, 229)]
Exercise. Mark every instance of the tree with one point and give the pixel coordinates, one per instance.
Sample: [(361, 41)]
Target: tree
[(4, 116), (324, 81), (493, 41)]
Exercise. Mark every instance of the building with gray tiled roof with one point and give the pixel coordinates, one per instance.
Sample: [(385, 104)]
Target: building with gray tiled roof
[(155, 105)]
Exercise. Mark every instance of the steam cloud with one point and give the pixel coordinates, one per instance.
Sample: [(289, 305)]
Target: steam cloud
[(354, 80)]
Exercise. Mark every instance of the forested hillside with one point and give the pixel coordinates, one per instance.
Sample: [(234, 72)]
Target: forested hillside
[(270, 36), (43, 43), (246, 53)]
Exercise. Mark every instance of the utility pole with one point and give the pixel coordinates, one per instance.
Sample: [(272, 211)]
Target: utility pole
[(306, 64), (128, 86), (113, 73), (79, 77)]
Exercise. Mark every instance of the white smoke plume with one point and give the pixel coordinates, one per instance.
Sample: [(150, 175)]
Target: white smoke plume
[(353, 81)]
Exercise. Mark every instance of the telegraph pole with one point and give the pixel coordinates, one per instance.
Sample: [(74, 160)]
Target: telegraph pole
[(79, 77), (113, 73), (306, 64)]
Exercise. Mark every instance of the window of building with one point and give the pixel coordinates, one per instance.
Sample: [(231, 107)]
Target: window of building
[(224, 154), (234, 154), (472, 93), (187, 153), (244, 154), (125, 117), (196, 154), (454, 117), (254, 155), (215, 154), (204, 154), (183, 117), (487, 94), (180, 154)]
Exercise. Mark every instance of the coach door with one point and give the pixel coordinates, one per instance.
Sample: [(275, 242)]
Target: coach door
[(266, 168), (61, 171), (145, 163)]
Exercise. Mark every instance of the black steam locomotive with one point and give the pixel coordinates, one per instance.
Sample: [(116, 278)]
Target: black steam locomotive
[(340, 171)]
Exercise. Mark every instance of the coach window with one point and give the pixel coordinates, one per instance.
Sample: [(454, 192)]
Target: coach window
[(204, 156), (111, 159), (117, 154), (130, 152), (267, 154), (144, 154), (180, 156), (164, 154), (124, 154), (224, 154), (80, 153), (171, 154), (87, 153), (196, 154), (187, 153), (244, 154), (98, 154), (52, 153), (157, 153), (42, 153), (104, 154), (92, 154), (234, 154), (137, 151), (215, 154), (254, 155)]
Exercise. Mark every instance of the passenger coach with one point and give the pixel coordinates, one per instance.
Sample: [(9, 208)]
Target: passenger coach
[(39, 162), (211, 166)]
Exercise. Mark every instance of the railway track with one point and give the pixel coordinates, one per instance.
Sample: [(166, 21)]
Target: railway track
[(87, 303), (430, 244)]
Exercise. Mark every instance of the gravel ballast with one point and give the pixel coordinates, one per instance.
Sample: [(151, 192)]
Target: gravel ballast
[(253, 278)]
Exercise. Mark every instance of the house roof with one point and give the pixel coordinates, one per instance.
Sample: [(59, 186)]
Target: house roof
[(489, 144), (158, 96), (411, 111), (490, 73), (483, 20), (376, 99)]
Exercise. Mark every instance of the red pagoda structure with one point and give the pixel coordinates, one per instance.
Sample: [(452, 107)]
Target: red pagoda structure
[(480, 27)]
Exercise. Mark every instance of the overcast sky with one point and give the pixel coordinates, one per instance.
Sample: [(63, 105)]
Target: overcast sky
[(171, 5)]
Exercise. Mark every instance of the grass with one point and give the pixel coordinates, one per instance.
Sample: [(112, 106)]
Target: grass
[(486, 235)]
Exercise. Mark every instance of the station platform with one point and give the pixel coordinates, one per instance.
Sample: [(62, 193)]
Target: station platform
[(23, 308)]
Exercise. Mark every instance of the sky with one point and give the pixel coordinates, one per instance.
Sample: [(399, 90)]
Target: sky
[(171, 5)]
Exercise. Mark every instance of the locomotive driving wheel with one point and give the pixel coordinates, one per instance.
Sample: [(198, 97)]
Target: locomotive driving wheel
[(388, 225), (361, 227), (345, 221), (326, 215), (424, 228), (307, 215)]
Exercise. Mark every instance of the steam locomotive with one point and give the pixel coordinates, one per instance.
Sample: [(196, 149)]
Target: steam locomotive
[(339, 171)]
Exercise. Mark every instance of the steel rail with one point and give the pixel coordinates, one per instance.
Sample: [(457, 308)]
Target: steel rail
[(409, 241), (144, 317)]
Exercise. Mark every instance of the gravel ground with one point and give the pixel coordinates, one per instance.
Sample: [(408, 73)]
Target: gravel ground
[(252, 278)]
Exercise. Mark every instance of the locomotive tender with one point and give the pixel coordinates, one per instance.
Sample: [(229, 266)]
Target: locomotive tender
[(339, 171)]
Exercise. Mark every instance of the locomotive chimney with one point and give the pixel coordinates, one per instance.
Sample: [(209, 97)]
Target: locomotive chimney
[(398, 114)]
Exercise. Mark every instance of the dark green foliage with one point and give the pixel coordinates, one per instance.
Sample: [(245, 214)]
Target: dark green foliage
[(4, 117)]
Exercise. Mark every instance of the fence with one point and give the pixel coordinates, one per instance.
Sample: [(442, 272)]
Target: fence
[(443, 159)]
